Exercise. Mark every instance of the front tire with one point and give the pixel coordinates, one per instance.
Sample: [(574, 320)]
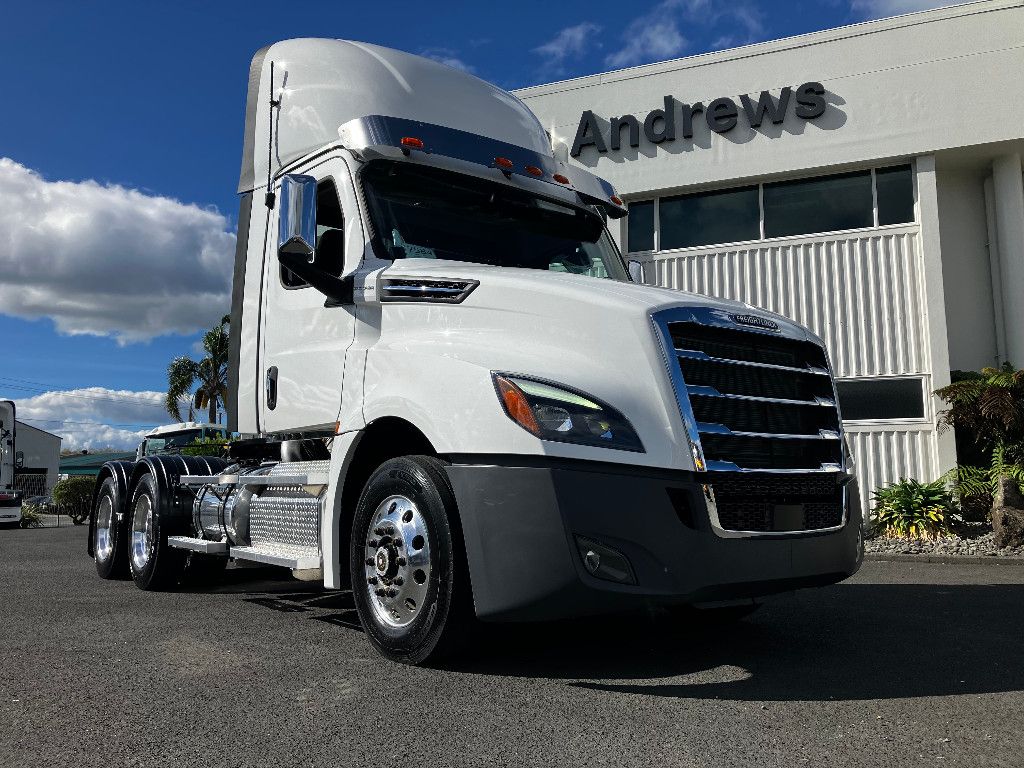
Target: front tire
[(409, 580), (110, 534), (153, 563)]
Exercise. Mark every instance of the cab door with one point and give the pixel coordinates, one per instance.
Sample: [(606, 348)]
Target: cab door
[(303, 336)]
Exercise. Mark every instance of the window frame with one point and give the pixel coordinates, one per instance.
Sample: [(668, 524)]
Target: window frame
[(656, 199), (925, 419)]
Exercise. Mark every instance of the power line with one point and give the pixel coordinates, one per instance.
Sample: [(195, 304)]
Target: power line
[(120, 400), (93, 423)]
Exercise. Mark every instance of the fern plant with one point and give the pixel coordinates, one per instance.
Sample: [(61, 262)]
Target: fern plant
[(990, 407), (911, 509)]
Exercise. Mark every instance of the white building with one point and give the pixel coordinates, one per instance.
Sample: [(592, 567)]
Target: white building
[(40, 454), (864, 181)]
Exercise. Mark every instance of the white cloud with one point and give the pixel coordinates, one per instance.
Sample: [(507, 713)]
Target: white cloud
[(657, 35), (877, 9), (109, 261), (449, 58), (569, 43), (95, 417)]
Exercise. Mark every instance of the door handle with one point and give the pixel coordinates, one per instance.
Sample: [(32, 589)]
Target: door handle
[(271, 386)]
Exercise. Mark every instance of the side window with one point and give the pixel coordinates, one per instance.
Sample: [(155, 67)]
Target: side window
[(330, 235)]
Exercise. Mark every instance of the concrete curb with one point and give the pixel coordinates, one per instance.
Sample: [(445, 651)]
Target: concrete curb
[(894, 557)]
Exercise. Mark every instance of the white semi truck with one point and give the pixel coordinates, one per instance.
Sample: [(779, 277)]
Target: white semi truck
[(10, 498), (458, 403)]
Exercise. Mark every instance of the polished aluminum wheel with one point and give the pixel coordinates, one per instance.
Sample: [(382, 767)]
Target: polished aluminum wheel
[(105, 520), (397, 561), (142, 532)]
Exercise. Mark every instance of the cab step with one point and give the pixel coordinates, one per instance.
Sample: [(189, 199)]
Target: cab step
[(296, 558), (198, 545)]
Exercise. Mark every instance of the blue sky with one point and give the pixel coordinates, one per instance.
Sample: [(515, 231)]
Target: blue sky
[(121, 141)]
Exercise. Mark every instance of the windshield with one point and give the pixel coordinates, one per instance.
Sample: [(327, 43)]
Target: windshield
[(170, 441), (426, 213)]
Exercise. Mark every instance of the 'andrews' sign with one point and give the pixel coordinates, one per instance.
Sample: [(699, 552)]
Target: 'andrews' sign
[(721, 115)]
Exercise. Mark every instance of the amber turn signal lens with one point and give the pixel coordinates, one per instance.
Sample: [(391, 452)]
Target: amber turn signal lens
[(504, 163), (560, 178), (517, 406), (533, 170), (412, 141), (616, 199)]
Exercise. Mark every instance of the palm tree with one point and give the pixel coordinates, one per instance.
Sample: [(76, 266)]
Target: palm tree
[(210, 374)]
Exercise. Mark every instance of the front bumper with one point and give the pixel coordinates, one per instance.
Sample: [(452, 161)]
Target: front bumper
[(520, 525)]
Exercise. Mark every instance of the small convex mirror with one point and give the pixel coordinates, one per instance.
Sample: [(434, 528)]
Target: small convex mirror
[(636, 271), (297, 230)]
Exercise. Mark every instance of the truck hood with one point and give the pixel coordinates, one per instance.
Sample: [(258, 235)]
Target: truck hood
[(555, 293)]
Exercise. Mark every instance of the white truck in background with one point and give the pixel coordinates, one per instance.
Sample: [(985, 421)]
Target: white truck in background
[(456, 401), (171, 438), (10, 498)]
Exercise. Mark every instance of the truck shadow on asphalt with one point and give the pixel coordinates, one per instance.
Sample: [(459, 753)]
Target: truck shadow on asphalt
[(845, 642)]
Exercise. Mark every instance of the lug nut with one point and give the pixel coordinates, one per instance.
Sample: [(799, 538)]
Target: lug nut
[(392, 592), (399, 581), (369, 561), (373, 543), (401, 561), (381, 593), (397, 542), (379, 531), (372, 580)]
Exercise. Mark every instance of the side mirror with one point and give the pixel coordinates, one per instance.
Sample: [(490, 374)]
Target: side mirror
[(296, 239), (19, 459), (296, 231), (636, 271)]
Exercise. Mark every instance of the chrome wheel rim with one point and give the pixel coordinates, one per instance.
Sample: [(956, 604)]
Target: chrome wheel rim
[(104, 529), (397, 562), (142, 532)]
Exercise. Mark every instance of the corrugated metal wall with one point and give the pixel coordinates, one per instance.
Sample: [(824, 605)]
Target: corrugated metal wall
[(861, 292)]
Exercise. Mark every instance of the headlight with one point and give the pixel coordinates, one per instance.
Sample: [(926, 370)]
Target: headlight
[(555, 413)]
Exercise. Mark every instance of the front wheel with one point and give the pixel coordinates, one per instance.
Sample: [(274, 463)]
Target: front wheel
[(409, 581)]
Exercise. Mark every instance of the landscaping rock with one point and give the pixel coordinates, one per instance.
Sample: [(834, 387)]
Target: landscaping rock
[(1008, 494), (976, 540), (1008, 526), (1008, 515)]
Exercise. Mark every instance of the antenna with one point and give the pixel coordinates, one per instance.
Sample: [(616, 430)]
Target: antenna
[(270, 197)]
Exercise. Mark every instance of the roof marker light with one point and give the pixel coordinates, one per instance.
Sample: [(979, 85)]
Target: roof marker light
[(560, 178), (616, 199), (412, 141), (533, 170), (504, 163)]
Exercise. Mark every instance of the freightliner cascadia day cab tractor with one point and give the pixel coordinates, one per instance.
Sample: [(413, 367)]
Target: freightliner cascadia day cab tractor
[(454, 398), (10, 499)]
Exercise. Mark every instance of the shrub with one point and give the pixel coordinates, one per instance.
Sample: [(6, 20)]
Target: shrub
[(909, 509), (207, 446), (73, 497), (31, 516)]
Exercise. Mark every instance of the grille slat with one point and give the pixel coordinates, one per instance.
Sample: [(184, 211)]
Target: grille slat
[(746, 375)]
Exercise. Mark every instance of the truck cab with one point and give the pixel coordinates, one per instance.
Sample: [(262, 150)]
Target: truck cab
[(456, 401), (171, 438), (10, 498)]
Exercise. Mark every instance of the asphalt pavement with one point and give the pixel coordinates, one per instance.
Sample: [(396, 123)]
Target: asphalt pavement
[(905, 664)]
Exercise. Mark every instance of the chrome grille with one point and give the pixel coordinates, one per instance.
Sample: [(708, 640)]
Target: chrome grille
[(752, 399)]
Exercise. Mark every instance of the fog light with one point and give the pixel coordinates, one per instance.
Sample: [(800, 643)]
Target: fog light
[(604, 562)]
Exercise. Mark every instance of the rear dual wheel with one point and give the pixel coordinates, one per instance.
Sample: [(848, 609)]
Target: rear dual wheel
[(409, 578), (154, 565)]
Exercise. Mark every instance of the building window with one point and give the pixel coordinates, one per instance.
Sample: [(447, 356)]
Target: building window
[(895, 194), (640, 226), (724, 216), (825, 204), (843, 201), (881, 399)]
